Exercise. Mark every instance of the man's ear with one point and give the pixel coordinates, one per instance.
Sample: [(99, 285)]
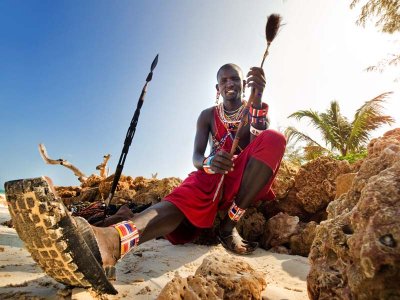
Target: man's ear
[(216, 86), (244, 84)]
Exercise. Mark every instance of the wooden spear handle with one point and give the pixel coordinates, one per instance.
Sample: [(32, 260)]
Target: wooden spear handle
[(242, 122)]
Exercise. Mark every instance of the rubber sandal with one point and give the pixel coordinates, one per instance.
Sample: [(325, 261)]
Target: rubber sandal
[(231, 246), (53, 238), (88, 235)]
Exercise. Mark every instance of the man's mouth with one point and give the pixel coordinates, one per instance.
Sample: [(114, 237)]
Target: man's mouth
[(230, 92)]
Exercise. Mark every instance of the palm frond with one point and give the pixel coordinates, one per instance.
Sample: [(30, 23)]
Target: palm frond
[(368, 118), (319, 122), (294, 135)]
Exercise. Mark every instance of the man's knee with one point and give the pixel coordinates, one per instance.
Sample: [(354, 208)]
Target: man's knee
[(273, 138)]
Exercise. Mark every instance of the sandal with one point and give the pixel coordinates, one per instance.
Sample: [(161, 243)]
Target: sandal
[(228, 242), (64, 247)]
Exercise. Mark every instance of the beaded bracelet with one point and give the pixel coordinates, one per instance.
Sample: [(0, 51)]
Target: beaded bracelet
[(255, 131), (207, 165), (235, 212)]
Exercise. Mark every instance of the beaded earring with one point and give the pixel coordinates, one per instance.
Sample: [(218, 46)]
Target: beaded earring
[(244, 93), (217, 97)]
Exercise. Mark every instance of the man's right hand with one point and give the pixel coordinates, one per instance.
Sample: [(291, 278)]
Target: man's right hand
[(222, 162)]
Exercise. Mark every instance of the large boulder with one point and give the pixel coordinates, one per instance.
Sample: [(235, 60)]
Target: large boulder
[(217, 277), (356, 251)]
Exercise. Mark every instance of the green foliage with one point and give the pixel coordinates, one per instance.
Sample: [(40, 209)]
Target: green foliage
[(352, 157), (339, 134)]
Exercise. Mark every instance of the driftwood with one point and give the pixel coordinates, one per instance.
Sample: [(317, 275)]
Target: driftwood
[(81, 176), (103, 165)]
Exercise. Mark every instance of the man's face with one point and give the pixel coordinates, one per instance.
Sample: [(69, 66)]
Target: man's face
[(230, 83)]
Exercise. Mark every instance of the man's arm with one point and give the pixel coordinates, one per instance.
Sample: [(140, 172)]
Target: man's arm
[(200, 141)]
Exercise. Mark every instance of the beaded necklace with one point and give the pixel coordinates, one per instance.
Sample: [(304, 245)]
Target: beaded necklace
[(231, 119)]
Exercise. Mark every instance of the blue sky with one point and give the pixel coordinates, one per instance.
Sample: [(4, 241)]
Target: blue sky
[(72, 71)]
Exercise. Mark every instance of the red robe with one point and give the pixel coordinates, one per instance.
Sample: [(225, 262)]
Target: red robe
[(194, 197)]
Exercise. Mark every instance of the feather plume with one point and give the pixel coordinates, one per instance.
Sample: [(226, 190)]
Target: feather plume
[(271, 29)]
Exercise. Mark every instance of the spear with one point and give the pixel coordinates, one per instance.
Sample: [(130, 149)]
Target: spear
[(271, 30), (129, 137)]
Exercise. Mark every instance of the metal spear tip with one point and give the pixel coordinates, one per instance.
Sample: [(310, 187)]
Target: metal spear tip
[(154, 63)]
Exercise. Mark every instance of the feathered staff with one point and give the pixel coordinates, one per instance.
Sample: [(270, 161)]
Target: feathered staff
[(271, 30)]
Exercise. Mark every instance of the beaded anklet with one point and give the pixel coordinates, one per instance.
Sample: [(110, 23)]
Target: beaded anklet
[(128, 234), (235, 212)]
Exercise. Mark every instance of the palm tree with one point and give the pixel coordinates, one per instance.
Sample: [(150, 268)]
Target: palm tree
[(338, 133)]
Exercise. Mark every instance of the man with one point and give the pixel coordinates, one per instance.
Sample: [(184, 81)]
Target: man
[(222, 181)]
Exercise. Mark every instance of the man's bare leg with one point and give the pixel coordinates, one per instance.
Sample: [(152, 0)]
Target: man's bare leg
[(157, 220), (256, 176)]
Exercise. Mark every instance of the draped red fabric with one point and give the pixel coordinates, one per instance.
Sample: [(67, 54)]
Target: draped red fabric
[(194, 197)]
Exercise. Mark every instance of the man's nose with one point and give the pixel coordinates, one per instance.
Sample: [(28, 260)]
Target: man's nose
[(230, 82)]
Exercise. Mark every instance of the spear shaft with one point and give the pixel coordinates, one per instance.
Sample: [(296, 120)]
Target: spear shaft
[(129, 136)]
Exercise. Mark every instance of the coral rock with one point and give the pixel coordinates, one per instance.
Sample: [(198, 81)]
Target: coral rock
[(343, 183), (218, 277), (192, 287), (356, 252), (278, 230), (251, 225), (300, 242), (284, 179), (316, 182)]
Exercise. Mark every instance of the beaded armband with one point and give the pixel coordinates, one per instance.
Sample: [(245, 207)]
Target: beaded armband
[(259, 116), (235, 212), (128, 234), (254, 112), (207, 165)]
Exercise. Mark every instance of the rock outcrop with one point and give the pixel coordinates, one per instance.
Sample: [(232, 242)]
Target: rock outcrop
[(356, 251), (217, 278), (316, 182), (137, 191)]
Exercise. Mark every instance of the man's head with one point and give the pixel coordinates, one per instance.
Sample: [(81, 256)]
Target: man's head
[(230, 82)]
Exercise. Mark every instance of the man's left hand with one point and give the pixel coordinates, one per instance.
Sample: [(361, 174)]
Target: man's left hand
[(256, 80)]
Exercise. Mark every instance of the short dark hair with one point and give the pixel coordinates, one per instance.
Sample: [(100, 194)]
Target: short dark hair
[(229, 66)]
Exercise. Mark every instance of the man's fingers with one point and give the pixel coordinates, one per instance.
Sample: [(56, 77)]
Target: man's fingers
[(224, 154), (257, 86), (256, 72), (222, 163)]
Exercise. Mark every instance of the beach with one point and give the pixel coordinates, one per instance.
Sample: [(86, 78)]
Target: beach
[(142, 273)]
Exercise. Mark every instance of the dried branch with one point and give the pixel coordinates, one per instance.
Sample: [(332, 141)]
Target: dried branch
[(43, 153), (102, 167)]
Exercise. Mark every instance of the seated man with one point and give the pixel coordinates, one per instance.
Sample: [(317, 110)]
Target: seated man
[(222, 182)]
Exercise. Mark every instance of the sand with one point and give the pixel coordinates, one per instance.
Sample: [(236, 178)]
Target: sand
[(143, 273)]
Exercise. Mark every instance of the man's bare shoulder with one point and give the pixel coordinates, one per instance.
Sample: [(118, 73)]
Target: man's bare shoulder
[(208, 113)]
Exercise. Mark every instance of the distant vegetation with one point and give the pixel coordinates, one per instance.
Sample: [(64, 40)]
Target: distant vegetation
[(343, 139)]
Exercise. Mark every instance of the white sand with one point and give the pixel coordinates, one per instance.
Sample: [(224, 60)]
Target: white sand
[(143, 273)]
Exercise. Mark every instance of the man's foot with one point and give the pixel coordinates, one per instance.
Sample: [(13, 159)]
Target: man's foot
[(109, 245), (232, 241)]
